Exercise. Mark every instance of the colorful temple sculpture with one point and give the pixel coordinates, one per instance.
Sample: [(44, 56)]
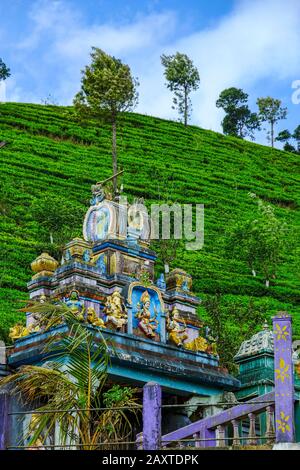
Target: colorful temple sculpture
[(107, 280)]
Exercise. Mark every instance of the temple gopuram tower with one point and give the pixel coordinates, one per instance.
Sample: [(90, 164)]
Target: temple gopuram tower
[(107, 279)]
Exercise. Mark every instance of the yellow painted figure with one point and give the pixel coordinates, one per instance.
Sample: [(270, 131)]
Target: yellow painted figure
[(115, 311), (18, 331), (75, 305), (177, 333), (197, 345), (92, 318), (147, 324)]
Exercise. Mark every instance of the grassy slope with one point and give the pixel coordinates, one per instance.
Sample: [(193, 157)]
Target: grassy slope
[(49, 153)]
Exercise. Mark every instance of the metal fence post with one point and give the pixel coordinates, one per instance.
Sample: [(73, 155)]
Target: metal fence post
[(284, 379), (151, 416), (3, 419)]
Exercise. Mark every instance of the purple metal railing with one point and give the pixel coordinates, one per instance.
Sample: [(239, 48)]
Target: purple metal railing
[(210, 432)]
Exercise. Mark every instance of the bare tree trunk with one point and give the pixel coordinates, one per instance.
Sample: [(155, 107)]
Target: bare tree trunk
[(51, 238), (185, 107), (272, 134), (267, 283), (114, 152)]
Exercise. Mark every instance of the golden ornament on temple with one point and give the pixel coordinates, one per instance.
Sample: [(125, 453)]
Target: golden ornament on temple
[(44, 265), (93, 319)]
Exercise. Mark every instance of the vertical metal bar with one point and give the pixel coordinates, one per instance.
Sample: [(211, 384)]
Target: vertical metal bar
[(284, 379), (3, 420), (151, 416)]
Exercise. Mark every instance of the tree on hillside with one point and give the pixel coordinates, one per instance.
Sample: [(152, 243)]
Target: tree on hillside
[(286, 136), (259, 240), (56, 218), (296, 136), (271, 111), (107, 89), (182, 78), (231, 322), (4, 71), (239, 121)]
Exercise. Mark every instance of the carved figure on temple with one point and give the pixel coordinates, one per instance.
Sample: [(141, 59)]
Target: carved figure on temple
[(198, 344), (212, 340), (146, 324), (86, 256), (38, 323), (115, 311), (92, 318), (101, 265), (75, 305), (177, 332), (161, 283), (18, 331)]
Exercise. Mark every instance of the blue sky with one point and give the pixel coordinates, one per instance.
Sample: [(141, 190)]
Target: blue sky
[(252, 44)]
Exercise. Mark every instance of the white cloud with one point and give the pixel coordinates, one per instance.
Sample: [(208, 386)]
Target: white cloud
[(258, 41)]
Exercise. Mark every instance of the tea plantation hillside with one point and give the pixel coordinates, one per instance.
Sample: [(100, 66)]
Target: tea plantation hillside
[(51, 155)]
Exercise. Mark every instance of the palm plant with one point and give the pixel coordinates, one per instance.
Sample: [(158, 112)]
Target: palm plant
[(69, 388)]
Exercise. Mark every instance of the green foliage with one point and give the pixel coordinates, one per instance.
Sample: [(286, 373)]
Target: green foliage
[(107, 88), (271, 111), (296, 136), (50, 154), (231, 321), (239, 121), (56, 221), (4, 71), (260, 240), (286, 136), (75, 386), (182, 78)]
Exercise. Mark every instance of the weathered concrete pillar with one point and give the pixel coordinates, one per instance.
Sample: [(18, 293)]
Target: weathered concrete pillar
[(151, 416), (3, 419), (284, 379)]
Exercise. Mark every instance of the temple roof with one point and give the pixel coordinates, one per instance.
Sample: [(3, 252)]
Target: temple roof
[(261, 342)]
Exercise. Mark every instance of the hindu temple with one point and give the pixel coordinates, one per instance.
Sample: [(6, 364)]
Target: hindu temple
[(107, 279)]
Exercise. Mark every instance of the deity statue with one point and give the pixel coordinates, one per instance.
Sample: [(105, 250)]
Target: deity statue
[(38, 319), (212, 340), (177, 333), (86, 256), (198, 344), (18, 331), (101, 265), (92, 318), (75, 305), (115, 310), (161, 283), (146, 324)]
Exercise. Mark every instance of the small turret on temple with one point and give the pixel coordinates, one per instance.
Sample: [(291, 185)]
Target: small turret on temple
[(107, 279)]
